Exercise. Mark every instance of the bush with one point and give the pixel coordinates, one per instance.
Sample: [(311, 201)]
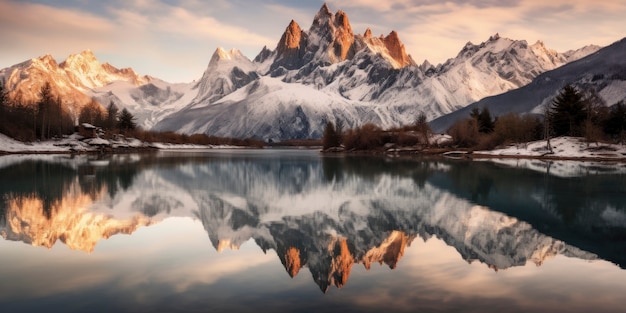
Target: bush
[(465, 133), (366, 137)]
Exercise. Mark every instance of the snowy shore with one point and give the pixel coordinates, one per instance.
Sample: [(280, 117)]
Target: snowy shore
[(563, 148), (77, 144)]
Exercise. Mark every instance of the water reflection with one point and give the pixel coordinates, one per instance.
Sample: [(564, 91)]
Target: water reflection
[(325, 214)]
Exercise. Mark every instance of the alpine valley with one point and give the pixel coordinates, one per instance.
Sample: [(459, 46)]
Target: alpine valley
[(325, 73)]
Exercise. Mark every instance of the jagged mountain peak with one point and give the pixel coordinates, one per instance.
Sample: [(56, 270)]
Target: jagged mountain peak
[(324, 14), (330, 37), (292, 39), (226, 72), (86, 72), (396, 49), (368, 33), (76, 60), (341, 20), (263, 55), (45, 62), (390, 47), (222, 54)]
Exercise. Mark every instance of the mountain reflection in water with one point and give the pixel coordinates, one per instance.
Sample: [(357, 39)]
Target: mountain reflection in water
[(323, 214)]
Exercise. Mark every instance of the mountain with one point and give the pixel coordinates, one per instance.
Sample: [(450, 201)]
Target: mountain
[(329, 73), (325, 73), (603, 72), (72, 79), (81, 78)]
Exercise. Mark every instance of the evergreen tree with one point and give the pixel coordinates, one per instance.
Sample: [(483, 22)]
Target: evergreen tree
[(568, 112), (112, 115), (4, 98), (615, 125), (126, 121), (331, 138), (483, 119), (485, 122), (46, 101)]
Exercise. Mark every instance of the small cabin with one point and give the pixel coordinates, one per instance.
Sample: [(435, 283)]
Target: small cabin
[(87, 130)]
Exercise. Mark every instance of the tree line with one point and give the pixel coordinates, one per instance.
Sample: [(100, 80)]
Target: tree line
[(371, 137), (570, 113), (48, 119)]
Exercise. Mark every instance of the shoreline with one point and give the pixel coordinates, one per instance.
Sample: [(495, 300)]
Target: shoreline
[(563, 149)]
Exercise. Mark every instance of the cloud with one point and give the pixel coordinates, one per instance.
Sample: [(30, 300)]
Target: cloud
[(152, 37), (28, 27)]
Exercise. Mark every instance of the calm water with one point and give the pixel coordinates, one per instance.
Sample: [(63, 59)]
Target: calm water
[(288, 230)]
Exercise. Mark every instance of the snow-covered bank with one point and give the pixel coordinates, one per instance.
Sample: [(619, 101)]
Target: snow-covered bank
[(562, 148), (76, 144)]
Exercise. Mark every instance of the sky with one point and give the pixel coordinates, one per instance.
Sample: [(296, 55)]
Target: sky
[(175, 39)]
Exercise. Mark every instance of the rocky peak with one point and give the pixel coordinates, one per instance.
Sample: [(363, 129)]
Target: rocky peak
[(81, 62), (263, 55), (291, 47), (331, 36), (344, 37), (341, 20), (85, 71), (322, 16), (368, 33), (221, 54), (396, 49), (46, 62), (291, 39)]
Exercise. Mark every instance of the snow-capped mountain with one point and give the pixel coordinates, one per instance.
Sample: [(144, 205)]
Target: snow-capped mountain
[(81, 78), (328, 73), (325, 73), (73, 79), (604, 72)]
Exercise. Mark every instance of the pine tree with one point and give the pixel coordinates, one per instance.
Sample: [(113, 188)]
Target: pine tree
[(331, 138), (46, 101), (615, 125), (112, 115), (126, 121), (483, 119), (485, 122), (568, 112), (4, 98)]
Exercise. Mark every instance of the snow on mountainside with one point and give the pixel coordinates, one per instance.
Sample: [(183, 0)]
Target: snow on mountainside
[(86, 72), (312, 76), (603, 71), (150, 102), (359, 78), (82, 77), (227, 72)]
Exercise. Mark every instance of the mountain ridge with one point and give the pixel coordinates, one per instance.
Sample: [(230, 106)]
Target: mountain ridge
[(603, 71), (362, 79)]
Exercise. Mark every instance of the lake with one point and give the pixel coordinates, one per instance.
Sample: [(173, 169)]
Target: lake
[(293, 231)]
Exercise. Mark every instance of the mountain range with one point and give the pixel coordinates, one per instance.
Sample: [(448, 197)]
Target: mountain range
[(325, 73)]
